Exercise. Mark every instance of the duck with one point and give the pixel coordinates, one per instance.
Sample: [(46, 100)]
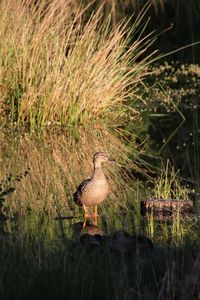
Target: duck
[(93, 191)]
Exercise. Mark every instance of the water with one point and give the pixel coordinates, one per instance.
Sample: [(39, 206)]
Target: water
[(40, 254), (39, 173)]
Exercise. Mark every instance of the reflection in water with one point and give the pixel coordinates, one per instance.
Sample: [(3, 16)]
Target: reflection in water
[(78, 230), (55, 164), (41, 172), (120, 241)]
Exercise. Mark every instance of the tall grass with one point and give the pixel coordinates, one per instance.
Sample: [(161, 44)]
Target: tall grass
[(168, 185), (55, 69)]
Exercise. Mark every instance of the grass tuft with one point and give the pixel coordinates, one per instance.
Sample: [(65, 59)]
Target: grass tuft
[(55, 69)]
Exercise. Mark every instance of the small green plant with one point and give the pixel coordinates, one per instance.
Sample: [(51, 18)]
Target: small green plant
[(168, 185)]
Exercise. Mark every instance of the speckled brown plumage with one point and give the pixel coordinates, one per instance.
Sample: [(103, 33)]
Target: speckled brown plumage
[(93, 191)]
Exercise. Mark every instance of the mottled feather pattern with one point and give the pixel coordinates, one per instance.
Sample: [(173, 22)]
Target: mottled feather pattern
[(93, 191), (78, 194)]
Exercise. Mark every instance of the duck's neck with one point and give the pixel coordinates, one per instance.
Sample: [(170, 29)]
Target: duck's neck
[(98, 172)]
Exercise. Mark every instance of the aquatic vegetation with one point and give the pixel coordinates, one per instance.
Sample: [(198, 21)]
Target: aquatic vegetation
[(168, 185), (172, 118)]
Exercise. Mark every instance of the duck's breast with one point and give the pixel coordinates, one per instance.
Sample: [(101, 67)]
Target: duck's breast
[(95, 192)]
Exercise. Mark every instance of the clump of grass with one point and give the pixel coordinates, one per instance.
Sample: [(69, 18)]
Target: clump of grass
[(57, 70), (168, 185)]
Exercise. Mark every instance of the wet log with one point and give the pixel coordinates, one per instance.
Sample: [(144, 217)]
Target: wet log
[(166, 206)]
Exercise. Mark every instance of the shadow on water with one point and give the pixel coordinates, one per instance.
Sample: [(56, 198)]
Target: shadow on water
[(94, 265)]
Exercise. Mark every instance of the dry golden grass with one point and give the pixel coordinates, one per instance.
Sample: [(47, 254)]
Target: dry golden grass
[(55, 69)]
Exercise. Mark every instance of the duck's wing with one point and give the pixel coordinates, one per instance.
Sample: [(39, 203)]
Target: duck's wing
[(78, 193)]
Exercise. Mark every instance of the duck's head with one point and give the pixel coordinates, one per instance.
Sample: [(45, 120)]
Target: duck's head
[(100, 157)]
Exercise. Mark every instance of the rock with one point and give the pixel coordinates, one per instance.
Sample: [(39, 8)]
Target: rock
[(91, 242), (78, 230), (120, 242)]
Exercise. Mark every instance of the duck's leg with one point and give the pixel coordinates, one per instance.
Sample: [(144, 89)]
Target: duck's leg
[(95, 215), (86, 215)]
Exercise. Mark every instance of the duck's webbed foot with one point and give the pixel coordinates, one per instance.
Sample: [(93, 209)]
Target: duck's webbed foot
[(86, 216)]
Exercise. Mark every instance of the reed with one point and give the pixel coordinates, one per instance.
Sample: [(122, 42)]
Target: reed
[(55, 69), (168, 185)]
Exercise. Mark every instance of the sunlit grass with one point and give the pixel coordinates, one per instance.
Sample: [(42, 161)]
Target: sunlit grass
[(55, 69), (168, 185)]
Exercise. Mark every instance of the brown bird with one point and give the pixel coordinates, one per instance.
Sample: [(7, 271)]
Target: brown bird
[(93, 191)]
